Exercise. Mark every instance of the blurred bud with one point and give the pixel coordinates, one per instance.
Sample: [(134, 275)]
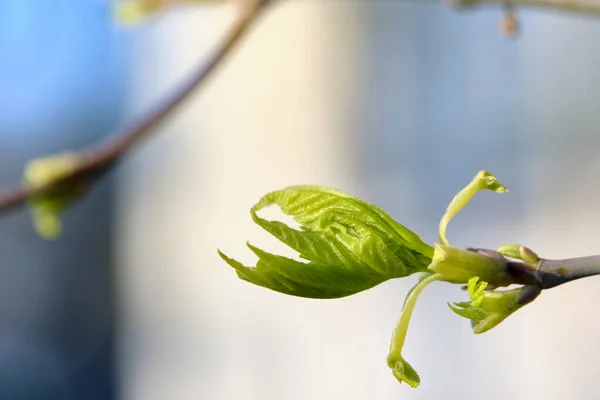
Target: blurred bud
[(509, 26), (131, 12), (134, 11), (46, 208)]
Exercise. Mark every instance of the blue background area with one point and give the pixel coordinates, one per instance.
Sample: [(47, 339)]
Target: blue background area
[(60, 88)]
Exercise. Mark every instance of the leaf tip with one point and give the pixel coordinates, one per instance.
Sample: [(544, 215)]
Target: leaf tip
[(404, 372), (488, 181), (222, 255)]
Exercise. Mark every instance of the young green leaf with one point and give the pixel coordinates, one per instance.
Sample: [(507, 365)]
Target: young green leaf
[(476, 290), (482, 181), (349, 245), (488, 309)]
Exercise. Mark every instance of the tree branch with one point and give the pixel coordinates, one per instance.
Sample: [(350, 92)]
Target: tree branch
[(552, 273), (576, 6), (543, 273), (96, 160)]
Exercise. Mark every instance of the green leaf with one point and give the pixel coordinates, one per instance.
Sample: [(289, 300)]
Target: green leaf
[(476, 290), (519, 252), (467, 310), (349, 245)]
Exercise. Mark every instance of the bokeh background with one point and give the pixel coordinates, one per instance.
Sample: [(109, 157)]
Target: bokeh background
[(400, 103)]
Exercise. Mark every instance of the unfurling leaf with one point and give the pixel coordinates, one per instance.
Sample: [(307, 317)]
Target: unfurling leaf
[(349, 245), (488, 309), (476, 291), (482, 181)]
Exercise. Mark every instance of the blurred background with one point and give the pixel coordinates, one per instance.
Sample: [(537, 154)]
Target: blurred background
[(397, 102)]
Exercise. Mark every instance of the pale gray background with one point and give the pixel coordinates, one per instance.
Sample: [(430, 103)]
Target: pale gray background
[(400, 103)]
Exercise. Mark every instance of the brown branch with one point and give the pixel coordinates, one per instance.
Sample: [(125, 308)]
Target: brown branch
[(94, 161), (541, 272), (556, 272), (576, 6)]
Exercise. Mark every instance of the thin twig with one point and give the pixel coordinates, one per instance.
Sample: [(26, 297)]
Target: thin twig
[(544, 272), (94, 161), (576, 6)]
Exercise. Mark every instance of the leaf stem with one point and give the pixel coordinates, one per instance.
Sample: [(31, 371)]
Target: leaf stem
[(399, 335)]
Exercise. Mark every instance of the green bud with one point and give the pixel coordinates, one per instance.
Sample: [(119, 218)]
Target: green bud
[(510, 250), (488, 309), (458, 265), (519, 252), (134, 11), (528, 255), (348, 245)]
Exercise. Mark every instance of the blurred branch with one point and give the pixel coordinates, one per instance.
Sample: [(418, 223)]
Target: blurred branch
[(91, 163), (580, 6)]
